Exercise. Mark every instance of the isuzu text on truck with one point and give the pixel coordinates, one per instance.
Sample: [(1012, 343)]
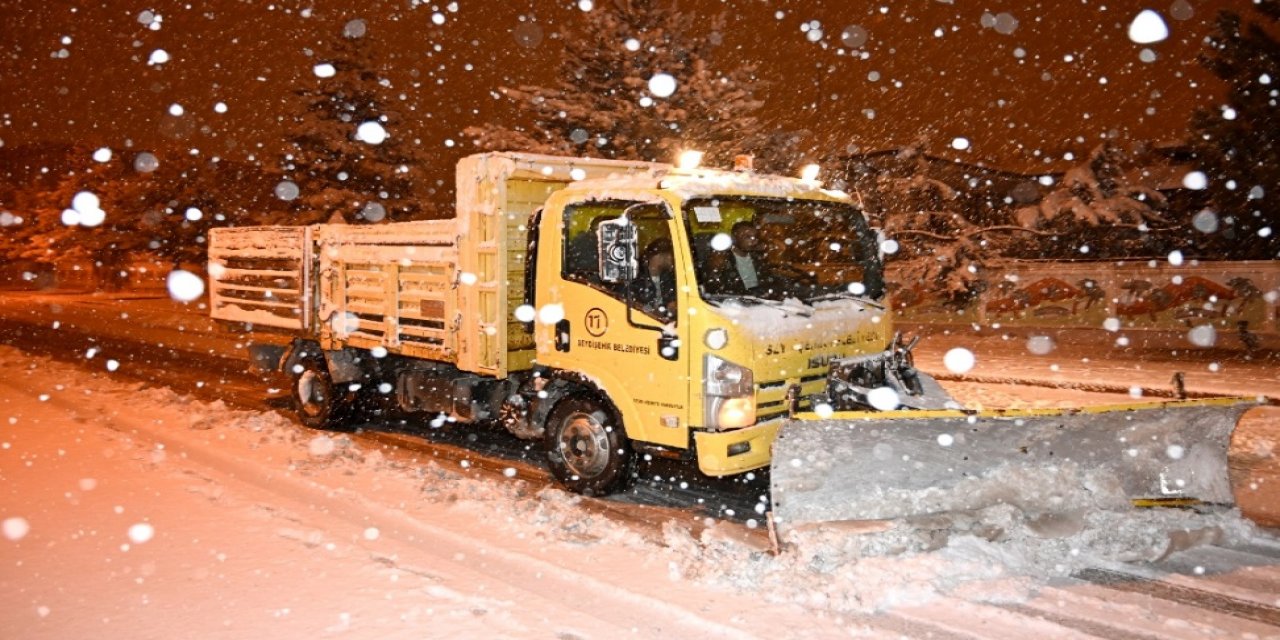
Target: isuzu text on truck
[(736, 320)]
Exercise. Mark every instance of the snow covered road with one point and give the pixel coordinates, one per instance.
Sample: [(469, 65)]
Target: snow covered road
[(138, 512), (137, 502)]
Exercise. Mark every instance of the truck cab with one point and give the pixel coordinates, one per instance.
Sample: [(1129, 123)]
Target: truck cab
[(697, 306), (609, 308)]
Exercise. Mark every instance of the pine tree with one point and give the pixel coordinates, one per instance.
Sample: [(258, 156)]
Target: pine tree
[(338, 163), (176, 205), (602, 105), (1237, 144)]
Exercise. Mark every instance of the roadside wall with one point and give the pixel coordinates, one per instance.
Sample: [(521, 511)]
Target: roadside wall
[(1139, 296)]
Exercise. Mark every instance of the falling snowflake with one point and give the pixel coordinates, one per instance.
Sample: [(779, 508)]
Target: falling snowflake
[(662, 85), (16, 528), (371, 132), (1203, 335), (373, 212), (184, 286), (551, 313), (145, 162), (141, 532), (286, 190), (1148, 27), (1040, 345), (958, 360), (883, 398)]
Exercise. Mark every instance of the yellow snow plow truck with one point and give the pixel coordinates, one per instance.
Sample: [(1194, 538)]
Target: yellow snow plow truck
[(612, 310)]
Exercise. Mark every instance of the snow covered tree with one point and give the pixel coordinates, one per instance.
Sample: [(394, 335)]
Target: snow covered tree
[(1094, 211), (1237, 144), (1093, 194), (86, 190), (636, 83), (160, 204), (933, 243), (349, 153), (175, 206)]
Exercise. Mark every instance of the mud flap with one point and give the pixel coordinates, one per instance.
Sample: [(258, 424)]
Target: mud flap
[(901, 464)]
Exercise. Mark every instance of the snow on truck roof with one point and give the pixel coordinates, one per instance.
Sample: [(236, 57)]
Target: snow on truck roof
[(598, 175), (709, 182)]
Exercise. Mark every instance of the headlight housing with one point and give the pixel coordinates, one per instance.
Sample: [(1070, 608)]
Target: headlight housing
[(728, 391)]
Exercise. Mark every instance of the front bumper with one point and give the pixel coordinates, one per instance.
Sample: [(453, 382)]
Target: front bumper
[(724, 453)]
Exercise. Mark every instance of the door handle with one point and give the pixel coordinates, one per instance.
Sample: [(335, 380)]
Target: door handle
[(562, 336)]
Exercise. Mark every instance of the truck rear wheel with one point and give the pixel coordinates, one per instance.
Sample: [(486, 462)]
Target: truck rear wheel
[(320, 403), (588, 450)]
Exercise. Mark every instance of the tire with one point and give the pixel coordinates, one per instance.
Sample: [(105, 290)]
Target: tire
[(319, 403), (587, 448)]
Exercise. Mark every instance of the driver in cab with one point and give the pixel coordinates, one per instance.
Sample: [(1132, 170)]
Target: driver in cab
[(741, 270)]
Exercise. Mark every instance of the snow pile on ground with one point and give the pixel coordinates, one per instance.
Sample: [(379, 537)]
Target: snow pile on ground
[(996, 555)]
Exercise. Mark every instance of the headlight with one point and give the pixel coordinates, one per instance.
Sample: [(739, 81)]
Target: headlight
[(728, 394), (735, 412)]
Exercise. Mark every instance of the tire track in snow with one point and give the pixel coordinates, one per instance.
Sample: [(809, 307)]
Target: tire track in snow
[(1257, 579), (1134, 615), (978, 620), (1134, 582), (1092, 627)]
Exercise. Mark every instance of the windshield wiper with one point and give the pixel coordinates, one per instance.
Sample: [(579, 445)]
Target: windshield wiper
[(789, 305), (843, 295), (744, 297)]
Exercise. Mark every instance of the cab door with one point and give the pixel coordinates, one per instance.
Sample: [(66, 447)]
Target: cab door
[(609, 326)]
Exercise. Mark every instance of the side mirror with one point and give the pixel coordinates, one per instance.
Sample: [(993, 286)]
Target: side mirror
[(617, 245)]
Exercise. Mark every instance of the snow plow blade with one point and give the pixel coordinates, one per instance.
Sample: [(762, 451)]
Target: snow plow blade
[(859, 466)]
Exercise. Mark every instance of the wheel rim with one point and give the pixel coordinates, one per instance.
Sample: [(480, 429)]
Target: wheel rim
[(311, 389), (584, 444)]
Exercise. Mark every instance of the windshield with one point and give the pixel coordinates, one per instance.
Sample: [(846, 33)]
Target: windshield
[(773, 249)]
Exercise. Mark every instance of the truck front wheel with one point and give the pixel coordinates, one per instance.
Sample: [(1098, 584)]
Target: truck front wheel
[(588, 450), (320, 403)]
